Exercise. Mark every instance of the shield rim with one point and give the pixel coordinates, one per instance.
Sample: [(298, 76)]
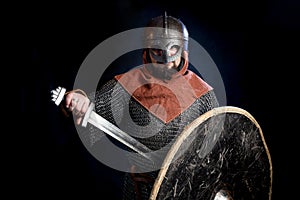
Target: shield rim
[(189, 129)]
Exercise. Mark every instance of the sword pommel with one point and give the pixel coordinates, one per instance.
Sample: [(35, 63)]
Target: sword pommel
[(58, 95)]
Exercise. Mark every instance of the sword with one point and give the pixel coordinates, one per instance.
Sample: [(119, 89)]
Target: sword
[(101, 123)]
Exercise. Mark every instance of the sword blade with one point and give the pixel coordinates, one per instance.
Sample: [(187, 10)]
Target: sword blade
[(93, 118), (101, 123)]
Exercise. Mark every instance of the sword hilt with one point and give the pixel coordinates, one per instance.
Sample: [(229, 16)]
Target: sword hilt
[(57, 97)]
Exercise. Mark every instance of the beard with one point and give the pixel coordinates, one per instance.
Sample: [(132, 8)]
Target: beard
[(161, 71)]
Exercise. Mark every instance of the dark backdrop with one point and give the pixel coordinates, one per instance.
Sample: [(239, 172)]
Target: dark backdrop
[(253, 43)]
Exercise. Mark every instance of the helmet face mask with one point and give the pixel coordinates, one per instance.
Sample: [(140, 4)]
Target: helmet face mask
[(165, 50)]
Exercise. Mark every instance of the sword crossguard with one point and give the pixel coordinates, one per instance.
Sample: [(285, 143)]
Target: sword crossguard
[(87, 115)]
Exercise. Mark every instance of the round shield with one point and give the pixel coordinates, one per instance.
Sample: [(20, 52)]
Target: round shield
[(220, 155)]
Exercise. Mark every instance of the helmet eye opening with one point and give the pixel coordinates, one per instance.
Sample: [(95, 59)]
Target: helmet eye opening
[(156, 51), (174, 50)]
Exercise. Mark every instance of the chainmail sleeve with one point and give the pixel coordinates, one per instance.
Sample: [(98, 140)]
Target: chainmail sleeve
[(108, 100)]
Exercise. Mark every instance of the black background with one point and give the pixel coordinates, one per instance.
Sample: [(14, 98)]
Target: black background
[(253, 43)]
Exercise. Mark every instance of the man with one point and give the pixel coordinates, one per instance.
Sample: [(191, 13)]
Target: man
[(163, 97)]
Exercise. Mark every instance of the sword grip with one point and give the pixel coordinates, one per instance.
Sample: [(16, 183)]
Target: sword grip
[(58, 95)]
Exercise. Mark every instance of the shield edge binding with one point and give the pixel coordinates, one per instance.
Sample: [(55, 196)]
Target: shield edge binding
[(189, 128)]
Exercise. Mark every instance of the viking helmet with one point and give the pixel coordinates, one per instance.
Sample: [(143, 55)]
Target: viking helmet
[(167, 34)]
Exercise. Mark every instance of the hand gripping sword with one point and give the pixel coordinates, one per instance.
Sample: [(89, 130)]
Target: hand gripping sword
[(101, 123)]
